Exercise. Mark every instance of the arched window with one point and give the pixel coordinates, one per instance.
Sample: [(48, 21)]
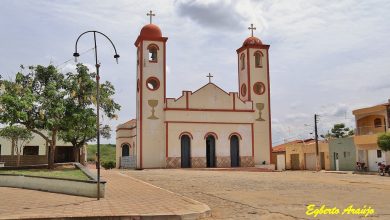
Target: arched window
[(152, 48), (378, 123), (125, 150), (242, 61), (258, 59)]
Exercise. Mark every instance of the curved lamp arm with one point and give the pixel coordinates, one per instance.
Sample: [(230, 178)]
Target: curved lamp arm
[(76, 54)]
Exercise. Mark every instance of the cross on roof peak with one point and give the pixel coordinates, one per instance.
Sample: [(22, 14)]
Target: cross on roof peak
[(252, 28), (150, 14), (209, 76)]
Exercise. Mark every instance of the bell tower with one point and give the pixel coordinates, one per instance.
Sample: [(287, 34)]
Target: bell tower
[(151, 82), (254, 85)]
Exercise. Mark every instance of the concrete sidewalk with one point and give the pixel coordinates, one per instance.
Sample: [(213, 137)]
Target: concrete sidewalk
[(126, 198)]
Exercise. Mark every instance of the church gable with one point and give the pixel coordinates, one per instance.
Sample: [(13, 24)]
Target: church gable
[(208, 97)]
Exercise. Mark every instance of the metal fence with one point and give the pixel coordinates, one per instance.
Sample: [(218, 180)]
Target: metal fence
[(128, 162)]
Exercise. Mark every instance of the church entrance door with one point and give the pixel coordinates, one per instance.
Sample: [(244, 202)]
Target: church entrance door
[(210, 151), (234, 151), (185, 151)]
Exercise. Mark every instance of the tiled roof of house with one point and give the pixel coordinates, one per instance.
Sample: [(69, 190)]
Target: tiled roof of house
[(282, 147)]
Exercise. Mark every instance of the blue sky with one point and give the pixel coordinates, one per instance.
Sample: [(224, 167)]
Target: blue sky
[(326, 57)]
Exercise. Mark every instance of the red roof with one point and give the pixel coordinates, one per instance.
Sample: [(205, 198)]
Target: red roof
[(282, 147), (252, 41), (151, 31)]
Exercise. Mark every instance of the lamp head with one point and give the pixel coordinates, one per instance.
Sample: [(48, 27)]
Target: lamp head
[(116, 56), (75, 54)]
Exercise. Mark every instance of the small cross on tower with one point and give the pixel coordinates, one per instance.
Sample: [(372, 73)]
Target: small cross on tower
[(150, 14), (209, 76), (252, 28)]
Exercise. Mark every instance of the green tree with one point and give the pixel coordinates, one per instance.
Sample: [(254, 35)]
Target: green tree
[(80, 117), (384, 141), (18, 137), (47, 100), (338, 131), (37, 101)]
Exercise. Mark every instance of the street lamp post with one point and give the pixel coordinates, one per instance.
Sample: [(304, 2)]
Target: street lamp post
[(97, 65)]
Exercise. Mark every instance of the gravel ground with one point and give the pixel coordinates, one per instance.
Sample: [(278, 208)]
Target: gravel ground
[(274, 195)]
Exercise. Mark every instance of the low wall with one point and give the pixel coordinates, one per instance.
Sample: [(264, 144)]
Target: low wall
[(86, 188), (10, 160)]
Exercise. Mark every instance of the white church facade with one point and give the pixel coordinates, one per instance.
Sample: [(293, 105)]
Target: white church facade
[(204, 128)]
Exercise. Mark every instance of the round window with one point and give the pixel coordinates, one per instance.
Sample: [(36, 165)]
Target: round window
[(152, 83), (259, 88), (243, 90)]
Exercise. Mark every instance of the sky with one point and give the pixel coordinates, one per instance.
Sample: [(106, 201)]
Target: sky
[(326, 57)]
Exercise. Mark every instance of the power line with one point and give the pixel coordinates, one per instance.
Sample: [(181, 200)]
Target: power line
[(84, 52)]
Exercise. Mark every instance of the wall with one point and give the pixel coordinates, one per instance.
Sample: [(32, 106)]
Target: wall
[(341, 145), (24, 160), (198, 143), (37, 140)]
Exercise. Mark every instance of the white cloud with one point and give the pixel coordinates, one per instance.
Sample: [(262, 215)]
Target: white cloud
[(322, 52)]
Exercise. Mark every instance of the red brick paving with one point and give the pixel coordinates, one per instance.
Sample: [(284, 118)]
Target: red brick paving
[(125, 196)]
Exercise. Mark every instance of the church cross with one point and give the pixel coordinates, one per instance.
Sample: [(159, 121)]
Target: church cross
[(252, 28), (209, 76), (150, 14)]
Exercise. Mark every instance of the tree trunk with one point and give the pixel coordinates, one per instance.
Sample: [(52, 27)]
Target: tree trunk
[(18, 159), (82, 155), (76, 154), (17, 153), (47, 153), (52, 148), (13, 148)]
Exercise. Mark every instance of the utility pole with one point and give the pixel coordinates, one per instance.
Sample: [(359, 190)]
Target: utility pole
[(316, 139)]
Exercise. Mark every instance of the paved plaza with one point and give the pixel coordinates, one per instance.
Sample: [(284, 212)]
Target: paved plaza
[(126, 197), (230, 194), (274, 195)]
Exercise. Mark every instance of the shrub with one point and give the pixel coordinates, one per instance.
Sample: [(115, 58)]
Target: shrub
[(384, 141), (108, 164)]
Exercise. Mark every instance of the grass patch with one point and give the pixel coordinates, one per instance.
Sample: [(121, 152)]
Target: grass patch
[(107, 152), (64, 173)]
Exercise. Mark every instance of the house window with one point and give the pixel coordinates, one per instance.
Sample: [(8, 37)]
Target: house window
[(379, 154), (242, 63), (378, 123), (347, 154), (258, 59), (31, 150), (152, 48)]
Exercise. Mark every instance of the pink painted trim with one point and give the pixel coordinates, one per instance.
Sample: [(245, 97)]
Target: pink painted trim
[(211, 133), (186, 133), (235, 133)]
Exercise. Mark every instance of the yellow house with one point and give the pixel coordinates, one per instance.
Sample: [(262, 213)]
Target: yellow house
[(301, 155), (370, 122)]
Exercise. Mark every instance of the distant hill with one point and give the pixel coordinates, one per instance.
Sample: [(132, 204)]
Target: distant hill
[(107, 152)]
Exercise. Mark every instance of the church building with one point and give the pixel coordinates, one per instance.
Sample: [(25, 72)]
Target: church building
[(208, 127)]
